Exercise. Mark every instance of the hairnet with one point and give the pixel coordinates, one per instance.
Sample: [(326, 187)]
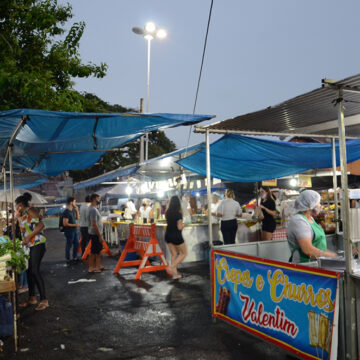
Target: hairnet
[(307, 200)]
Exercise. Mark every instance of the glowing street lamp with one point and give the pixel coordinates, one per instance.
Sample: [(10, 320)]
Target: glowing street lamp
[(150, 32)]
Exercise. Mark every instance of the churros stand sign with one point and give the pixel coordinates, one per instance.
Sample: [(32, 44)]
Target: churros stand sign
[(291, 306)]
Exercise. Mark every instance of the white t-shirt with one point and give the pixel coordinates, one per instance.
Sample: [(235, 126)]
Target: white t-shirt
[(185, 205), (84, 215), (130, 210), (229, 209), (145, 213), (214, 208)]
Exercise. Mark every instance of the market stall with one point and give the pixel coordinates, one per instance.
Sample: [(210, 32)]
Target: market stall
[(309, 310), (47, 143)]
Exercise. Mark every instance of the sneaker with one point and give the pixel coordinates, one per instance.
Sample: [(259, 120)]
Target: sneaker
[(68, 263)]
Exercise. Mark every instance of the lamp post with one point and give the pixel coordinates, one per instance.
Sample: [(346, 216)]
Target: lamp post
[(150, 32)]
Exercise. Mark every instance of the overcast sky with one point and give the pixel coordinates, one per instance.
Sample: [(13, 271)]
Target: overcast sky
[(259, 52)]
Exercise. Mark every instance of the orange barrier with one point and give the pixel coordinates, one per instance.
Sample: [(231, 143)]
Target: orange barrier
[(144, 248), (105, 250)]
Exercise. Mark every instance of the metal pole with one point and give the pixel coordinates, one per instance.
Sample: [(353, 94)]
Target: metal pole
[(147, 96), (351, 341), (6, 199), (141, 159), (335, 185), (208, 187), (14, 242)]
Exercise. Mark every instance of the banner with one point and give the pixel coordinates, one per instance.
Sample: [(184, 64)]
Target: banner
[(269, 182), (305, 181), (290, 306)]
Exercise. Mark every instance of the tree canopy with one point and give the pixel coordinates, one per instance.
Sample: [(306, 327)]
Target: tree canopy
[(39, 62), (38, 59)]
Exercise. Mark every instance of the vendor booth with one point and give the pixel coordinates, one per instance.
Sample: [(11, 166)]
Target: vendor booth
[(47, 143), (311, 311)]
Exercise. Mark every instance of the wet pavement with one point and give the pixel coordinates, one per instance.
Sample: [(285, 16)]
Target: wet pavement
[(116, 317)]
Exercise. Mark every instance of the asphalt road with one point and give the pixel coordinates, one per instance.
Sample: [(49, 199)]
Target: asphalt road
[(116, 317)]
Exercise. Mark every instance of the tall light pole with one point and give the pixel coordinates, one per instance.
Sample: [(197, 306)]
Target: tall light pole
[(150, 31)]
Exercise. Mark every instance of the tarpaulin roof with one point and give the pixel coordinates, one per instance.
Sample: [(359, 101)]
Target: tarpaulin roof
[(111, 175), (245, 159), (314, 112), (24, 180), (150, 167), (50, 142)]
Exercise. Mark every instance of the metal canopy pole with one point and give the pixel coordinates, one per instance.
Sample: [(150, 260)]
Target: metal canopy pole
[(208, 187), (14, 242), (335, 185), (351, 341)]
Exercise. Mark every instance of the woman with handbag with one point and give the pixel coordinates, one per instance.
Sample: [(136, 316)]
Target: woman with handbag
[(268, 207)]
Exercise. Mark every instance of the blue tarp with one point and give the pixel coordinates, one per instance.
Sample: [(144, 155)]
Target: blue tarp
[(246, 159), (129, 170), (111, 175), (73, 135)]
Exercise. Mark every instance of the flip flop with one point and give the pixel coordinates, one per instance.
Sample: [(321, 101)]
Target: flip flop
[(41, 306), (96, 271), (102, 268), (27, 304), (176, 276)]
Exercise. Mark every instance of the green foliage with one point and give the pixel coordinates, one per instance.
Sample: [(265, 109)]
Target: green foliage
[(38, 62), (18, 257), (129, 154), (36, 66)]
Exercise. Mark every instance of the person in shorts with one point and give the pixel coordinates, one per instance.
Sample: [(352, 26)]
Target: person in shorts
[(95, 230), (84, 224), (173, 236)]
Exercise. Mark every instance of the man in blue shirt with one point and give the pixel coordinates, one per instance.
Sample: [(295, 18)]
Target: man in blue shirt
[(70, 215)]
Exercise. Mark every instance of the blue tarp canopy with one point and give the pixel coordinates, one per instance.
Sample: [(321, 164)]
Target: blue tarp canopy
[(245, 159), (132, 169), (51, 142)]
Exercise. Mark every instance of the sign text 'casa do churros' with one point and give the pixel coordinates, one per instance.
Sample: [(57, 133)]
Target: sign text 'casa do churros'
[(291, 306)]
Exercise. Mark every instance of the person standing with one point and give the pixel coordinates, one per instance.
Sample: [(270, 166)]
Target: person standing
[(84, 224), (214, 206), (31, 228), (173, 235), (70, 215), (130, 210), (95, 235), (186, 208), (268, 207), (228, 211), (306, 238), (146, 212)]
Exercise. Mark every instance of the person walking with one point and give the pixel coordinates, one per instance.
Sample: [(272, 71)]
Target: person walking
[(31, 228), (173, 235), (268, 207), (70, 215), (95, 235), (84, 224), (228, 211)]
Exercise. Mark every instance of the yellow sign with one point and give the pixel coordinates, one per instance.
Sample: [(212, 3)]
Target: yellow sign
[(269, 182), (305, 181)]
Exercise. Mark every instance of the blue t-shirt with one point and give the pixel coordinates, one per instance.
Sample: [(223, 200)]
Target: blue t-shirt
[(71, 216)]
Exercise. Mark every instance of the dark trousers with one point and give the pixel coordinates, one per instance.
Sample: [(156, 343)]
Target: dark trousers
[(84, 238), (33, 272), (72, 240), (228, 229)]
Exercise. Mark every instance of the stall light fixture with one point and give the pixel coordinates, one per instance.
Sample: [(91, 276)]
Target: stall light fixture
[(293, 182), (128, 190), (144, 188), (165, 162), (160, 194), (198, 194)]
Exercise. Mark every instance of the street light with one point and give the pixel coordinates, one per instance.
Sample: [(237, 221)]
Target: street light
[(150, 32)]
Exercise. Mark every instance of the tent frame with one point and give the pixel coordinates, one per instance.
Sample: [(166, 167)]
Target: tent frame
[(350, 303)]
